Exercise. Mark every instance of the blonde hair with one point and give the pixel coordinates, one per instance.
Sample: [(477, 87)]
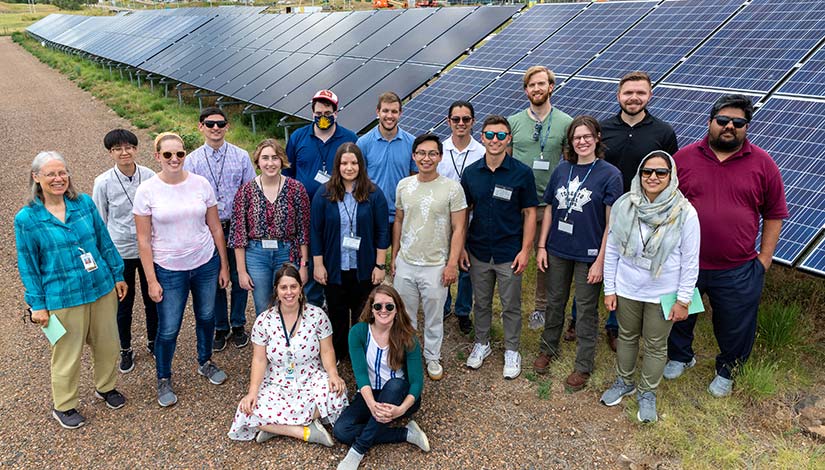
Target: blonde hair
[(551, 77), (164, 136)]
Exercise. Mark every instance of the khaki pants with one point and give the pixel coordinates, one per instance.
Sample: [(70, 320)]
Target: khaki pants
[(641, 319), (541, 282), (94, 324)]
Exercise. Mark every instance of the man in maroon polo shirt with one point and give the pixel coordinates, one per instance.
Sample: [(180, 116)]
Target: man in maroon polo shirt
[(731, 183)]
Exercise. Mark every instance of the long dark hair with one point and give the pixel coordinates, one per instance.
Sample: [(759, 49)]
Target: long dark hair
[(402, 334), (363, 185), (288, 270), (593, 125)]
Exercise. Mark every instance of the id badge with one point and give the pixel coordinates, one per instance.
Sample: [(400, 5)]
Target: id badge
[(322, 177), (543, 165), (566, 227), (132, 230), (353, 242), (221, 206), (289, 370), (269, 244), (88, 261), (502, 192), (642, 262)]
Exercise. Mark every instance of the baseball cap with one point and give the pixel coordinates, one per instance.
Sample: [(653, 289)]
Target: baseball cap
[(326, 95)]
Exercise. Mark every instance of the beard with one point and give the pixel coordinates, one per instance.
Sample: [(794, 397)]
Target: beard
[(540, 100), (627, 111), (725, 145)]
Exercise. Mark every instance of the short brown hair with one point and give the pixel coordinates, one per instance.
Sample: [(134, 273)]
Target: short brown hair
[(591, 123), (635, 76), (551, 77), (388, 97), (494, 119), (279, 151)]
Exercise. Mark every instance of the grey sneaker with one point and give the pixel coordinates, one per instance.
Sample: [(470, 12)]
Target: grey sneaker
[(647, 407), (69, 419), (720, 386), (166, 396), (351, 461), (212, 372), (319, 435), (613, 396), (263, 436), (480, 352), (416, 436), (673, 369)]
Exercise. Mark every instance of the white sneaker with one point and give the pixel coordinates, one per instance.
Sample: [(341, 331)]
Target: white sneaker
[(480, 352), (512, 364), (434, 370)]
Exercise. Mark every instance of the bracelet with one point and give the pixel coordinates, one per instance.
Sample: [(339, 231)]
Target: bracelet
[(541, 248), (683, 304), (303, 264)]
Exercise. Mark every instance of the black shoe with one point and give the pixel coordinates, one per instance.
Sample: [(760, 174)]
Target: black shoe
[(113, 398), (220, 340), (239, 337), (151, 347), (448, 314), (465, 324), (127, 360), (69, 419)]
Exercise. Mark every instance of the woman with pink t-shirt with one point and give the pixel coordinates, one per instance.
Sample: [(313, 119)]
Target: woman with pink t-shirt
[(181, 248)]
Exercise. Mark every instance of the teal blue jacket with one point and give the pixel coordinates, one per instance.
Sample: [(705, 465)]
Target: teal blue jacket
[(413, 368)]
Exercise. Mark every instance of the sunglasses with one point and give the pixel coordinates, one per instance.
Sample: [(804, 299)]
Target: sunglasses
[(724, 120), (388, 306), (660, 172), (499, 135), (464, 119), (537, 132), (167, 155), (211, 124)]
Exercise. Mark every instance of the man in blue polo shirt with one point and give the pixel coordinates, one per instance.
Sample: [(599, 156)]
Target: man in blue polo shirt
[(311, 153), (501, 193), (388, 149)]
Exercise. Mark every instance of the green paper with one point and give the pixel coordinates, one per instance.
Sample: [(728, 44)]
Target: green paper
[(696, 305), (54, 330)]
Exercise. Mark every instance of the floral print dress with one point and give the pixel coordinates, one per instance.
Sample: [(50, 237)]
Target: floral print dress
[(282, 400)]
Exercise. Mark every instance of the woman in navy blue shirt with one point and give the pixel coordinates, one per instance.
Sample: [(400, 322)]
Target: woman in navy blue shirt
[(349, 238), (572, 243)]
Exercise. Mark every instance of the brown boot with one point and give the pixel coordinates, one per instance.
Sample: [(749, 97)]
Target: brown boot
[(541, 363), (570, 332), (576, 381), (612, 336)]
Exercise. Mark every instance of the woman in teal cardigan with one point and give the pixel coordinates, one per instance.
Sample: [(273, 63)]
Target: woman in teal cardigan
[(386, 361)]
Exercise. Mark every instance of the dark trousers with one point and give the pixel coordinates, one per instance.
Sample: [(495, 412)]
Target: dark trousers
[(358, 428), (124, 307), (734, 296), (345, 302)]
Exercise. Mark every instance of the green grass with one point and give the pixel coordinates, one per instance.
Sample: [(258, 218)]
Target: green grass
[(778, 326)]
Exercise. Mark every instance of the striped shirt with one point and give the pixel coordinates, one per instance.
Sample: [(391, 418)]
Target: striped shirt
[(378, 368), (226, 169)]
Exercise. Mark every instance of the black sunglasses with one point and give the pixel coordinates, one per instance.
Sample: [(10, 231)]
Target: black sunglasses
[(537, 131), (464, 119), (660, 172), (211, 124), (168, 155), (499, 135), (737, 122), (378, 306)]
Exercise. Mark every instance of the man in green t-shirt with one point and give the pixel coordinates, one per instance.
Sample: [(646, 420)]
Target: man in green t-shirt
[(539, 134)]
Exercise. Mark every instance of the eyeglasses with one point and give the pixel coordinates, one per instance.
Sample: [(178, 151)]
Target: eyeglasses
[(180, 154), (464, 119), (388, 306), (212, 124), (122, 149), (501, 135), (52, 175), (724, 120), (320, 114), (583, 138), (660, 172), (537, 131), (424, 153)]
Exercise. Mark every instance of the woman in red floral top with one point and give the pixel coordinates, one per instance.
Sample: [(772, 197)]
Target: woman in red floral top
[(270, 224)]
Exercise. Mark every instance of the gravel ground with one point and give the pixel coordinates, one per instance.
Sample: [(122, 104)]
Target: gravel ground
[(474, 419)]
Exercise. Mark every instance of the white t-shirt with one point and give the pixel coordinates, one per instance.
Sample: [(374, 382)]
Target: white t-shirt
[(181, 240), (453, 163), (378, 366)]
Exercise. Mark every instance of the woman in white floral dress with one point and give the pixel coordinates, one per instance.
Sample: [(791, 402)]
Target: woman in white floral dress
[(294, 383)]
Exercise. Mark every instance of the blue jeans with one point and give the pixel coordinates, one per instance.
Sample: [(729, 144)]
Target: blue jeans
[(313, 291), (612, 324), (202, 281), (261, 265), (464, 296), (237, 314), (358, 428)]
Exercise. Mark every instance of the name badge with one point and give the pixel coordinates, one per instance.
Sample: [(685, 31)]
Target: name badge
[(322, 177), (352, 242), (269, 244), (221, 206), (88, 261), (133, 229), (289, 370), (543, 165), (593, 252), (642, 262), (565, 227), (502, 192)]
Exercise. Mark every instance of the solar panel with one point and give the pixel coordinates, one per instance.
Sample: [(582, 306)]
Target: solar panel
[(792, 132), (588, 33), (430, 107), (265, 73), (311, 33), (299, 97), (390, 33), (341, 28), (595, 98), (303, 73), (757, 47), (815, 262), (810, 79), (504, 96), (362, 33), (525, 33), (273, 39), (417, 39), (242, 61), (662, 38)]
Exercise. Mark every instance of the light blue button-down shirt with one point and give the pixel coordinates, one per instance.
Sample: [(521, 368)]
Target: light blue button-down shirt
[(226, 169)]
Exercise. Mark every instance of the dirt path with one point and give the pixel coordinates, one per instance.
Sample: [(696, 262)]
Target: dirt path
[(474, 419)]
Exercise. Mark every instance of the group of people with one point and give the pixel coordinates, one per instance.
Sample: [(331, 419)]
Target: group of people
[(307, 230)]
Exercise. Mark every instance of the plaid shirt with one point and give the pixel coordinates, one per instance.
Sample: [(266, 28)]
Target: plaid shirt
[(226, 169), (48, 255)]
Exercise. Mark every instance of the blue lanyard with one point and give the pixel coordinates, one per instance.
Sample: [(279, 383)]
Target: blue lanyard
[(572, 198), (292, 331), (543, 141), (323, 155)]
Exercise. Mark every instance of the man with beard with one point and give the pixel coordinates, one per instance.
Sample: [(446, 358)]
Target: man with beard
[(628, 136), (388, 149), (731, 183), (311, 154), (539, 133)]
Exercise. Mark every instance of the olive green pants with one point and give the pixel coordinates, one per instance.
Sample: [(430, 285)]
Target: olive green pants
[(643, 319)]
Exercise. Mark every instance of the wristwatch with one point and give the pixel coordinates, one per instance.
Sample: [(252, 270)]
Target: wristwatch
[(381, 266)]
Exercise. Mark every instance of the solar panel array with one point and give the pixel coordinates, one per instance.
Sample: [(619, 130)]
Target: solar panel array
[(773, 51), (278, 61)]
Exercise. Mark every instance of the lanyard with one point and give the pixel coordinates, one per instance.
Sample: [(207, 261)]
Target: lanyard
[(354, 210), (652, 232), (124, 187), (466, 154), (546, 129), (571, 199), (292, 331), (220, 175), (324, 155)]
